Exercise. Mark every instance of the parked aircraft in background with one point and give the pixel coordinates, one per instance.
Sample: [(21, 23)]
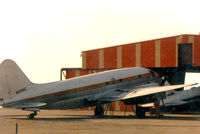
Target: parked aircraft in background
[(182, 100), (176, 100), (131, 85)]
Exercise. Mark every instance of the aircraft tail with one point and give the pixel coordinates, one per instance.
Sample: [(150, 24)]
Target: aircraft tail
[(13, 81)]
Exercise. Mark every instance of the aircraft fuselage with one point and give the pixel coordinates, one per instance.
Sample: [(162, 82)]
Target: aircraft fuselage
[(83, 91)]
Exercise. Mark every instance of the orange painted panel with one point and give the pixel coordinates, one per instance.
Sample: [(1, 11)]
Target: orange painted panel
[(128, 55), (113, 105), (84, 108), (109, 108), (92, 108), (92, 59), (97, 71), (148, 54), (83, 72), (110, 57), (124, 107), (168, 55), (168, 52), (70, 74), (197, 51), (184, 39)]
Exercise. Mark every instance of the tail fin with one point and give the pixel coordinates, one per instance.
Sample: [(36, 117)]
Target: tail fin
[(12, 80)]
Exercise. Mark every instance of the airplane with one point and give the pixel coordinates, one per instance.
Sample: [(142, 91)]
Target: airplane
[(182, 100), (135, 85), (178, 100)]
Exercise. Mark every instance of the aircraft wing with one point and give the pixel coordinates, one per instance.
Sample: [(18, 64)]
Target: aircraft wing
[(140, 93)]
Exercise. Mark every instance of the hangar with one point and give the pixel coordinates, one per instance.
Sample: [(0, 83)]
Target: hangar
[(170, 57)]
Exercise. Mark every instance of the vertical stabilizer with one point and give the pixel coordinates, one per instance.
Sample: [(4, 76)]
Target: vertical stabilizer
[(12, 80)]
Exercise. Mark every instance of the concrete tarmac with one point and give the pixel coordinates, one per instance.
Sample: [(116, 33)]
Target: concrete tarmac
[(83, 122)]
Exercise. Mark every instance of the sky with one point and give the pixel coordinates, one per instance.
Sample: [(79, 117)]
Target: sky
[(42, 36)]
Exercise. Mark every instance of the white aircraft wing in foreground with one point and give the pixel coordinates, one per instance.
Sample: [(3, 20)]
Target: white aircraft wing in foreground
[(131, 85), (140, 93)]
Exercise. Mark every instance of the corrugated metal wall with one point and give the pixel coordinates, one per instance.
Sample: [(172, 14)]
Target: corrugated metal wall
[(154, 53)]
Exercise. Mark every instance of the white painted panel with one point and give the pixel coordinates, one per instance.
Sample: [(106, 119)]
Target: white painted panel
[(192, 78)]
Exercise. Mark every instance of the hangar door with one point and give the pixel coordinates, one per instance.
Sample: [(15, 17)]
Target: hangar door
[(185, 54)]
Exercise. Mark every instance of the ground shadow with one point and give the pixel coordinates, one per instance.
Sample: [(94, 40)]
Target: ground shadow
[(12, 115), (90, 117)]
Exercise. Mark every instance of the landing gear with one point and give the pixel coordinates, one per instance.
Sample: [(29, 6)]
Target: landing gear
[(140, 112), (32, 115), (99, 111)]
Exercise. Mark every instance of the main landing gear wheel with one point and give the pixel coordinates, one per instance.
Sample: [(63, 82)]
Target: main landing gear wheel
[(140, 112), (32, 115), (99, 111)]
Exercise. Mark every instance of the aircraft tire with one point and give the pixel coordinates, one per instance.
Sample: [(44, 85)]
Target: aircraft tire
[(140, 113), (31, 116), (99, 111)]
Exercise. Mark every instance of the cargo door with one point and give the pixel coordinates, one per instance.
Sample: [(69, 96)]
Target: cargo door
[(185, 54)]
